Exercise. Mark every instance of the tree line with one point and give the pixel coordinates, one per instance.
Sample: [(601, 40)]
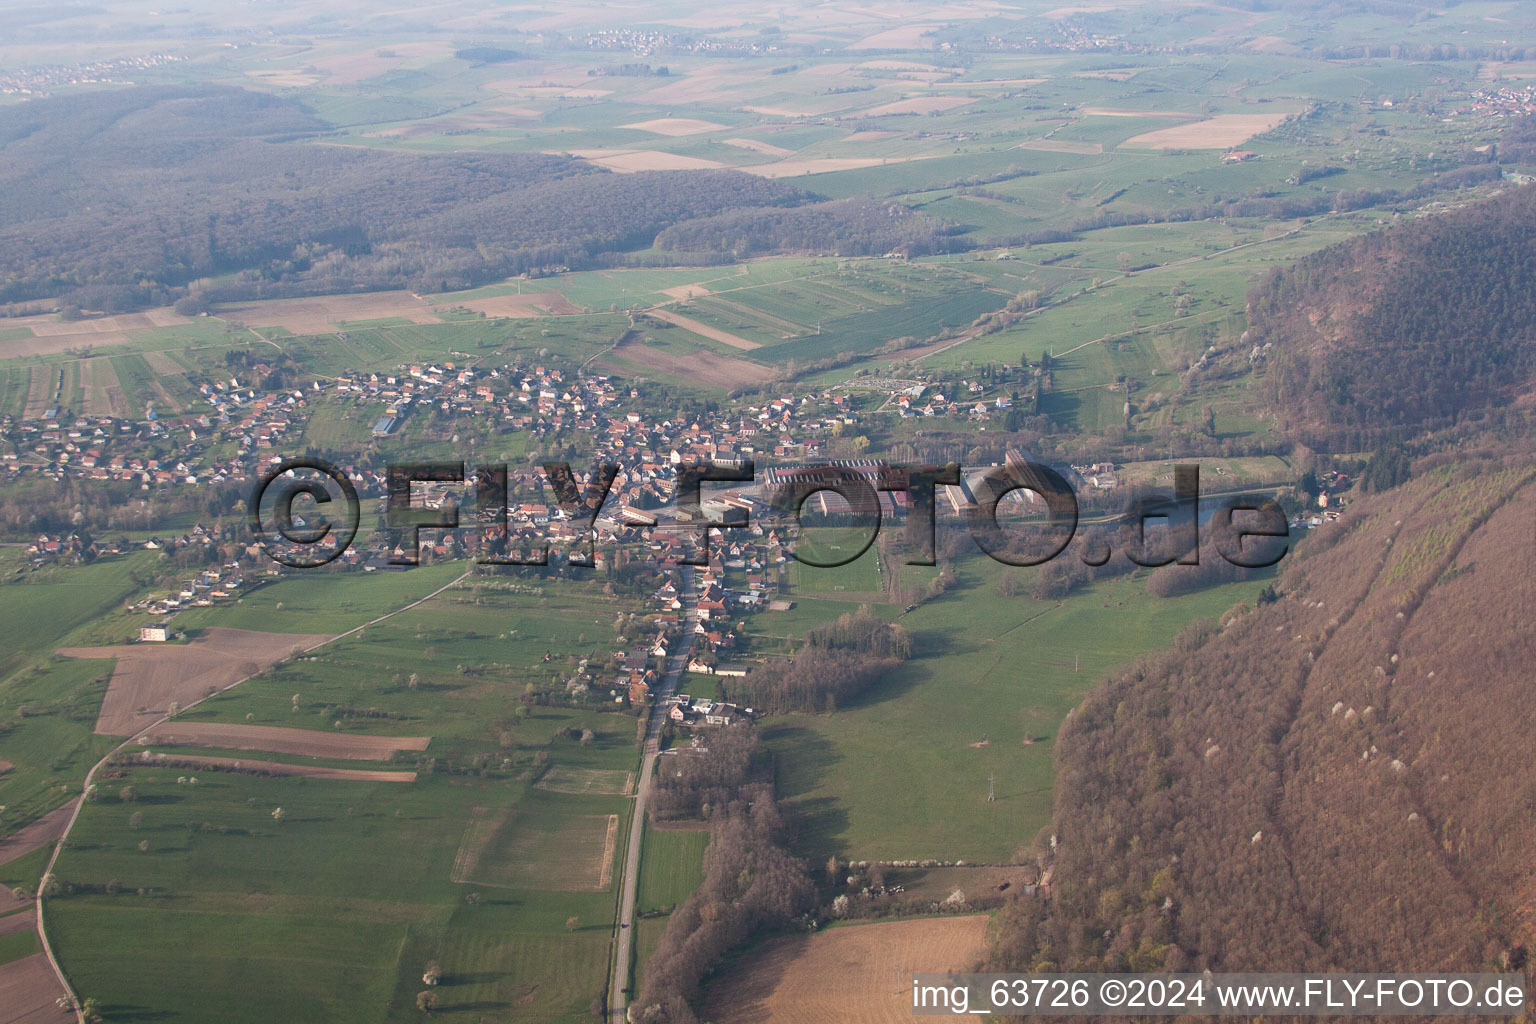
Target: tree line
[(751, 881), (844, 227), (838, 662)]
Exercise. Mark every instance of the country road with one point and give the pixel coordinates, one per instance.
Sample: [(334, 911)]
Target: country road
[(618, 989)]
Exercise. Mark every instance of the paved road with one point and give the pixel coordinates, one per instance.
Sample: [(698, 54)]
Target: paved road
[(618, 989)]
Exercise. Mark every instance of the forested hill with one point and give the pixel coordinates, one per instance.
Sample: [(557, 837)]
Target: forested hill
[(119, 198), (1340, 778), (1413, 326)]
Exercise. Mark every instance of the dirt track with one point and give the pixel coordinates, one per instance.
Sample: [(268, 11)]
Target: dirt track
[(149, 677)]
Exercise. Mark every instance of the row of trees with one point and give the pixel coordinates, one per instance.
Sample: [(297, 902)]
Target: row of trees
[(815, 679), (751, 882), (838, 662)]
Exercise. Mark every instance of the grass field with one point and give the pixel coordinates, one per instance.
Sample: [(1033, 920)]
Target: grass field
[(374, 879), (499, 864), (49, 703), (299, 603), (349, 896), (862, 576), (992, 682), (671, 867)]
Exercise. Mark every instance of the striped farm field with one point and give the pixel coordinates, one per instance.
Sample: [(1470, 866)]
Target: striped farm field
[(859, 974)]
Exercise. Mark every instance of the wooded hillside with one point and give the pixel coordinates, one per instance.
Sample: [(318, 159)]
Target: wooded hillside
[(1408, 327), (119, 198), (1340, 778)]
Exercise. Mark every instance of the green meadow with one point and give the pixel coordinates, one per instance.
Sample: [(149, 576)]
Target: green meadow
[(904, 772), (484, 865)]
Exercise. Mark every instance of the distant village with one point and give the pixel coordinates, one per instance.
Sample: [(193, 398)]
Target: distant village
[(636, 539), (42, 79)]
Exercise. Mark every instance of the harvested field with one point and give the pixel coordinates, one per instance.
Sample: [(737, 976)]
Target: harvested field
[(1270, 44), (821, 165), (706, 85), (628, 161), (900, 65), (103, 391), (527, 304), (1067, 12), (918, 105), (586, 781), (280, 740), (765, 148), (566, 76), (703, 330), (285, 78), (1220, 132), (53, 327), (871, 136), (1123, 75), (163, 364), (780, 111), (861, 974), (28, 988), (907, 37), (42, 381), (149, 677), (575, 855), (1175, 115), (676, 126), (350, 68), (686, 291), (703, 366), (320, 315), (21, 921), (996, 83), (36, 835), (51, 335), (1063, 146), (304, 771)]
